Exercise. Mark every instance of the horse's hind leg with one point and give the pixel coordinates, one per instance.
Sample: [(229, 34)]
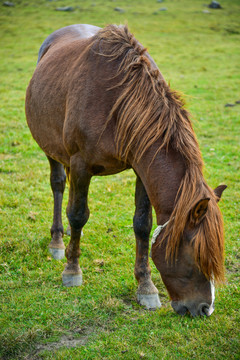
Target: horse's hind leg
[(147, 293), (58, 181), (78, 213)]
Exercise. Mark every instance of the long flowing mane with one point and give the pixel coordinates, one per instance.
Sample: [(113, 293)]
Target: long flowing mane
[(147, 112)]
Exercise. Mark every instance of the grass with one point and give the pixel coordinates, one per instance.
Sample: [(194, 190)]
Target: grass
[(39, 319)]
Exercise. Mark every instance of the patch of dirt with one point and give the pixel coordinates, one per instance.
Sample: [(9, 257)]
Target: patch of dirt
[(69, 341)]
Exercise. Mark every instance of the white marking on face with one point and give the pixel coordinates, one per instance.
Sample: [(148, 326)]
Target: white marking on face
[(211, 309)]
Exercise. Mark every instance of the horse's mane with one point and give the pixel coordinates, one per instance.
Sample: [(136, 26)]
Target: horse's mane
[(147, 112)]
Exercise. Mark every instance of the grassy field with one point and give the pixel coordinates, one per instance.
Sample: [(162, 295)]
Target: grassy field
[(197, 50)]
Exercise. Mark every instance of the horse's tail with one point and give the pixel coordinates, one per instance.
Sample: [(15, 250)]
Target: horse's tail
[(42, 51), (46, 45)]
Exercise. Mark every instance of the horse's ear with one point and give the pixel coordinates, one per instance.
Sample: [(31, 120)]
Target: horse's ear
[(199, 210), (219, 190)]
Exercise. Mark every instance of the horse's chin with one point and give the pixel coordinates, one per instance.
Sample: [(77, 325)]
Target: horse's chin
[(202, 309)]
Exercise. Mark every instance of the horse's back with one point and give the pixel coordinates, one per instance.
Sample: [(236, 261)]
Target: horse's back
[(67, 34)]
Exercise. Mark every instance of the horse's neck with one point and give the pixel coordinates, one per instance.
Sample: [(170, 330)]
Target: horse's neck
[(161, 179)]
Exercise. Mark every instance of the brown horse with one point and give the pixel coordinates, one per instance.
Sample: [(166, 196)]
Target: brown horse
[(97, 105)]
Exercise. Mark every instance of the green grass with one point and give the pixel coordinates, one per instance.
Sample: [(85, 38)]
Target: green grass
[(198, 53)]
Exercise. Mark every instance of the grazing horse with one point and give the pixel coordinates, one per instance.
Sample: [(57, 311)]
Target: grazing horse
[(97, 104)]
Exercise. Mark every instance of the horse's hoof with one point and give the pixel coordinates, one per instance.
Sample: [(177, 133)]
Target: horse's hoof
[(72, 279), (150, 301), (57, 254)]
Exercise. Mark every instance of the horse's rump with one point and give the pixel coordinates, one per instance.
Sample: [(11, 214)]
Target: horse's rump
[(67, 34)]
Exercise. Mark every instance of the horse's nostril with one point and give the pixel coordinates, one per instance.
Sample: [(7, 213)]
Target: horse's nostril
[(179, 308), (182, 311), (203, 309)]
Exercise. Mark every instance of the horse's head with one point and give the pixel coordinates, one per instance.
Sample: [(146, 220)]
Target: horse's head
[(189, 276)]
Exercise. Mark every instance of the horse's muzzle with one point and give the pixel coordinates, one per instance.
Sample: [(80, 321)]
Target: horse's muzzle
[(202, 309)]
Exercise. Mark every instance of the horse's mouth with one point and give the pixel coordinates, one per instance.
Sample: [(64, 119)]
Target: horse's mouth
[(203, 309)]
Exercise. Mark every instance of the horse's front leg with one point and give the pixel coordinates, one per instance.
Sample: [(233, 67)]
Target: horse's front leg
[(78, 214), (147, 293)]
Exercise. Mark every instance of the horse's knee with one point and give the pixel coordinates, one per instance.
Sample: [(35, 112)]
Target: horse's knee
[(142, 225), (77, 219), (58, 182)]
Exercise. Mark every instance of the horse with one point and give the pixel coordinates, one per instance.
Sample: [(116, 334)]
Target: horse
[(97, 104)]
